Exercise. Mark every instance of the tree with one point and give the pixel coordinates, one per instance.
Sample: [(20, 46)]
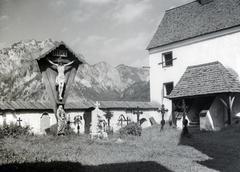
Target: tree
[(108, 115)]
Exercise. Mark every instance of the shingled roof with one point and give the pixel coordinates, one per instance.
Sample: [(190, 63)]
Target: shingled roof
[(193, 20), (205, 79), (78, 104), (48, 49)]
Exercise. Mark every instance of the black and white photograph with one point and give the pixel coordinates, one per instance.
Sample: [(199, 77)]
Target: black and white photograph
[(119, 85)]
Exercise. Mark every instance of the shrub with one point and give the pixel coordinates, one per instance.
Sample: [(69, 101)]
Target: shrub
[(14, 130), (131, 129)]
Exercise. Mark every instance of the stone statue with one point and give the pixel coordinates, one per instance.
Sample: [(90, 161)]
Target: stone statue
[(60, 79), (61, 117)]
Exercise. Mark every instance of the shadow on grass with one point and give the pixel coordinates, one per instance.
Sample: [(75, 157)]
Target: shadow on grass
[(57, 166), (222, 147)]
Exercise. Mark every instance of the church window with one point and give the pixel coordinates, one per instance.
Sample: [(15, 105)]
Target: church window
[(167, 59), (167, 87)]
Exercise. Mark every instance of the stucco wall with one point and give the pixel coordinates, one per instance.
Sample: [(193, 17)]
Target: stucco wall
[(224, 49), (146, 114), (33, 118)]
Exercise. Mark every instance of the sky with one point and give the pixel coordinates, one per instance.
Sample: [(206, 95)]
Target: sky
[(115, 31)]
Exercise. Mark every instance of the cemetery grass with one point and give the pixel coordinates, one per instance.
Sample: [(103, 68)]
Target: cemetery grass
[(202, 152)]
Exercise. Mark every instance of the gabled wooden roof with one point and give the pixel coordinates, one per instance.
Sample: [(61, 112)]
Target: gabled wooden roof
[(205, 79), (47, 50), (193, 19)]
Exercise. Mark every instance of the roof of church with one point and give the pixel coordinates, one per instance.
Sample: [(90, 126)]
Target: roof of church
[(22, 105), (48, 49), (193, 20), (205, 79)]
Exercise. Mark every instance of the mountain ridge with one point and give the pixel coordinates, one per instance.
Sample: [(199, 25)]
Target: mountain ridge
[(21, 78)]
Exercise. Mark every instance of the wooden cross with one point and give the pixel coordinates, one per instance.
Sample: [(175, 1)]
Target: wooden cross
[(162, 110), (19, 121), (138, 113)]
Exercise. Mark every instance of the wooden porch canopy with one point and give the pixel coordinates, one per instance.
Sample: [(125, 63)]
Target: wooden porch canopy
[(205, 80)]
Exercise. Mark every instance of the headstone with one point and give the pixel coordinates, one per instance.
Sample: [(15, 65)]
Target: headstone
[(98, 122), (152, 121), (44, 122)]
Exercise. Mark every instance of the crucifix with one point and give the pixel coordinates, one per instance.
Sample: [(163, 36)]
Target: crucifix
[(138, 113), (19, 121), (162, 110), (58, 67), (60, 79)]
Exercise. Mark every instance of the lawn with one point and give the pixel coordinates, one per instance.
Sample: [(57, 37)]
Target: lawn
[(153, 151)]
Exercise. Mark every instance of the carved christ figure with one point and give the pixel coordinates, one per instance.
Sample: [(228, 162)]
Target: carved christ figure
[(60, 79)]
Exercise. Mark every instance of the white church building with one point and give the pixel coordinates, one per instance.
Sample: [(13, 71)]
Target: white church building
[(40, 116), (199, 32)]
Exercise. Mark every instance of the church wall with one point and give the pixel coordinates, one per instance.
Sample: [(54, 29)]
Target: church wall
[(224, 49), (129, 113), (33, 118)]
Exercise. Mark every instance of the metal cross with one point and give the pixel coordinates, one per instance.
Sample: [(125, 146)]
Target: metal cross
[(138, 113), (121, 119), (77, 120), (97, 104), (162, 110), (19, 121), (128, 120)]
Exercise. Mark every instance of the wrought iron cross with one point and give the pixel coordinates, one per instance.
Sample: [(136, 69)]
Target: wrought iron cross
[(128, 120), (162, 110), (19, 121), (121, 120), (77, 121), (138, 113)]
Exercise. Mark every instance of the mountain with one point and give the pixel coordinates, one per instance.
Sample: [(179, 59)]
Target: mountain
[(21, 79)]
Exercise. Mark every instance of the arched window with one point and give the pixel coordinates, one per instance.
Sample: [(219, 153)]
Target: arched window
[(44, 122)]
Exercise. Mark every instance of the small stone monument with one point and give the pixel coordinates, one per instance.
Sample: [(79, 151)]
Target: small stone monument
[(98, 123)]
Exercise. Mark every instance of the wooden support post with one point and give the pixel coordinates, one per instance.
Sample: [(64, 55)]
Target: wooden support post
[(229, 105), (185, 122)]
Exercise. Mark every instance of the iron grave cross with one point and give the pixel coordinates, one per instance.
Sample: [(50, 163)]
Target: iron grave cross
[(138, 113), (19, 121), (162, 110)]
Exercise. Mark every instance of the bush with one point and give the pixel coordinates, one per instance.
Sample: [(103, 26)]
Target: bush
[(14, 130), (131, 129)]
